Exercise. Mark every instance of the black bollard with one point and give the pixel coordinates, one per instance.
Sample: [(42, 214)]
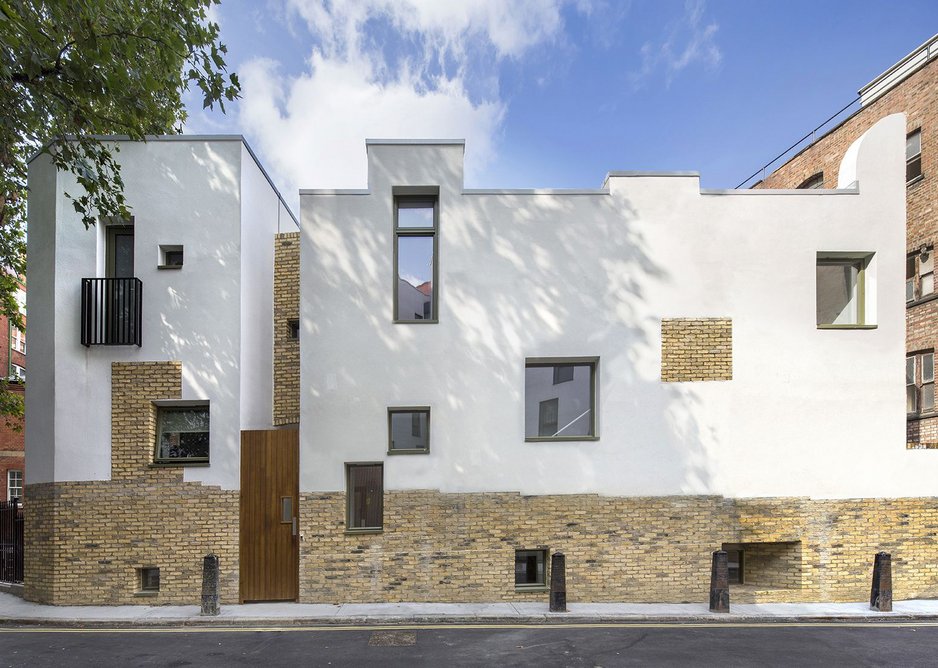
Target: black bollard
[(881, 592), (558, 582), (210, 585), (719, 583)]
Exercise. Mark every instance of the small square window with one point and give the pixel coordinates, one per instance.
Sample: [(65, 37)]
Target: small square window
[(841, 290), (530, 569), (171, 256), (560, 399), (364, 497), (182, 434), (149, 579), (409, 430), (293, 329)]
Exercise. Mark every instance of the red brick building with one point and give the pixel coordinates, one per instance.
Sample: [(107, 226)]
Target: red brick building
[(13, 366), (910, 86)]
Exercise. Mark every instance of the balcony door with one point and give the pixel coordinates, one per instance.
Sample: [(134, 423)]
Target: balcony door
[(121, 290), (120, 251)]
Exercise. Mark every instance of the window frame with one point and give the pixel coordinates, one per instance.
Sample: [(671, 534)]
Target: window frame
[(917, 157), (10, 473), (17, 339), (171, 405), (348, 499), (534, 586), (413, 410), (919, 383), (143, 588), (593, 362), (416, 195), (841, 259)]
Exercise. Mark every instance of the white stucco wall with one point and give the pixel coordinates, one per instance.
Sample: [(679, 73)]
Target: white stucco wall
[(542, 274), (188, 193)]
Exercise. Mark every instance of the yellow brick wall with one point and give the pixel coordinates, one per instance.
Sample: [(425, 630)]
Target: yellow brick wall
[(286, 308), (696, 349)]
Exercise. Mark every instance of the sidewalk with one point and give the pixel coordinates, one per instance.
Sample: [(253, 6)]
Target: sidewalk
[(14, 610)]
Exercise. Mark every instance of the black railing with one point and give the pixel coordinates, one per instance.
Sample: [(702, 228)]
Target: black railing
[(111, 311), (11, 542)]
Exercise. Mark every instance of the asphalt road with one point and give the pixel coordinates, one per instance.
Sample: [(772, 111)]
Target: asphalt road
[(555, 645)]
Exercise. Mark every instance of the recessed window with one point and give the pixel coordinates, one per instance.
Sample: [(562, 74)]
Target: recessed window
[(913, 156), (409, 430), (148, 579), (841, 290), (14, 485), (813, 182), (560, 399), (364, 497), (530, 568), (17, 372), (171, 256), (182, 434), (293, 329), (416, 221), (920, 383), (734, 565), (920, 274)]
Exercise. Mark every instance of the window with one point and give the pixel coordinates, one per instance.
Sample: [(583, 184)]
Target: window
[(734, 565), (364, 496), (841, 296), (293, 329), (182, 434), (17, 339), (920, 383), (171, 257), (920, 274), (148, 579), (416, 220), (17, 372), (530, 569), (813, 182), (913, 156), (14, 485), (409, 430), (560, 399)]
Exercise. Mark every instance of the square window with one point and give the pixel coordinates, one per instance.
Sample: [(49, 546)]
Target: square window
[(149, 579), (171, 256), (416, 222), (182, 434), (364, 497), (913, 156), (530, 568), (409, 430), (560, 411), (14, 485), (841, 295)]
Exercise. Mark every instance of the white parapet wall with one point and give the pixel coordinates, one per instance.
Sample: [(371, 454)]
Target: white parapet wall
[(546, 274)]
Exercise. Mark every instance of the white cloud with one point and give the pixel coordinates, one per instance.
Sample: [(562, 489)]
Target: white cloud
[(389, 69), (690, 40)]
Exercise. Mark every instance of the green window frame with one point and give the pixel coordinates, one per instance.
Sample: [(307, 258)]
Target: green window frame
[(860, 263), (417, 198), (413, 423)]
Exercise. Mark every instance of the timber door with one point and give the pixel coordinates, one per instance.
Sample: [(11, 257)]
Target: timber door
[(270, 480)]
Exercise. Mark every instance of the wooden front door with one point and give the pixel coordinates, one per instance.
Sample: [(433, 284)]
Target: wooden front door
[(270, 481)]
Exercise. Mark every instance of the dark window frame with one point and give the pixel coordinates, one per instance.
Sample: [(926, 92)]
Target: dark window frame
[(533, 586), (175, 406), (293, 329), (349, 499), (593, 363), (417, 195), (414, 410), (145, 584)]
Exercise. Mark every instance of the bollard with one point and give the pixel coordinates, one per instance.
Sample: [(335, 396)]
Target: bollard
[(558, 582), (210, 585), (719, 583), (881, 592)]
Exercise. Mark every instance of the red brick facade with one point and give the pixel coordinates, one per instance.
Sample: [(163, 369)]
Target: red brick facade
[(917, 97)]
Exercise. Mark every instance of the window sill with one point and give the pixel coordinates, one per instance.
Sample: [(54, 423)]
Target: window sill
[(169, 266), (146, 594), (847, 326), (164, 465), (530, 589), (401, 451), (363, 532), (922, 300), (915, 417), (433, 321), (558, 439), (917, 179)]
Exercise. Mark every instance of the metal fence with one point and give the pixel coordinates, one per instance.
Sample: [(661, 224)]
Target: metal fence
[(11, 542)]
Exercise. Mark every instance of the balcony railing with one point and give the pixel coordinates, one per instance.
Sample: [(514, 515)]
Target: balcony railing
[(111, 310)]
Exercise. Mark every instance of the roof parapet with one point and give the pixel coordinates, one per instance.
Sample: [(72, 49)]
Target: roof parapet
[(905, 67)]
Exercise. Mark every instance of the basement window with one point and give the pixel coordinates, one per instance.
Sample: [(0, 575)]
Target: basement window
[(530, 569), (148, 579)]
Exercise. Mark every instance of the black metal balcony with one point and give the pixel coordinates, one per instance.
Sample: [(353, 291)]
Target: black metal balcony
[(111, 311)]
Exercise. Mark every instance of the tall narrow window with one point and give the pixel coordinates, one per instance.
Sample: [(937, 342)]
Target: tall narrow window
[(913, 156), (365, 497), (841, 290), (416, 222), (920, 383), (911, 388), (927, 403), (560, 399), (926, 271), (14, 485)]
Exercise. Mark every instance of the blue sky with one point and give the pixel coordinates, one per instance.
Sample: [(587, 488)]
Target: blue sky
[(549, 93)]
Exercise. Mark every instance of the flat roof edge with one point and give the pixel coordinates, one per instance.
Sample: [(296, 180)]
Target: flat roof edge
[(534, 191), (334, 191), (416, 142), (781, 191), (631, 173)]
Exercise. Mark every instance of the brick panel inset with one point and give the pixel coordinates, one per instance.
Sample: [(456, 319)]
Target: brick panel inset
[(694, 349), (286, 349)]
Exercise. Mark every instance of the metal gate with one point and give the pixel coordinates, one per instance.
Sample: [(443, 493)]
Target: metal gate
[(11, 542)]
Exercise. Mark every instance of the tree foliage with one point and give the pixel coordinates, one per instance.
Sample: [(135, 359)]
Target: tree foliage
[(74, 69)]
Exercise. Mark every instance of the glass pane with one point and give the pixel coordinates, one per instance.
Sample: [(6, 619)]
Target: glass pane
[(415, 214), (184, 433), (913, 145), (410, 430), (286, 509), (366, 497), (529, 567), (910, 290), (123, 255), (928, 397), (837, 293), (928, 368), (926, 263), (415, 278), (734, 564), (909, 370), (911, 399), (913, 168), (910, 266), (928, 284), (563, 409)]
